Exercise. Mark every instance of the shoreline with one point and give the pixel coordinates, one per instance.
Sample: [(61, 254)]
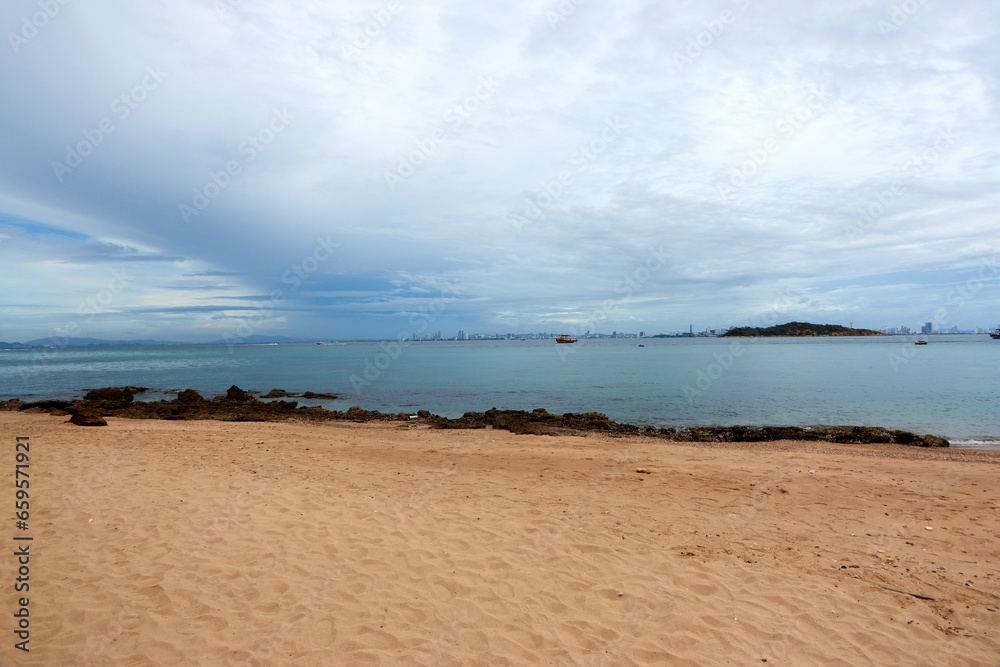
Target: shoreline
[(240, 405), (306, 543), (756, 391)]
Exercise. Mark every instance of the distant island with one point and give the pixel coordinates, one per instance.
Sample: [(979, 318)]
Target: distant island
[(798, 329)]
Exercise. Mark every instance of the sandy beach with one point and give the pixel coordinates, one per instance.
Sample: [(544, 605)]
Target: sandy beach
[(221, 543)]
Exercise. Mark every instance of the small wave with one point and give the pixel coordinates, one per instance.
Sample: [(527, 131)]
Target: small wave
[(976, 443)]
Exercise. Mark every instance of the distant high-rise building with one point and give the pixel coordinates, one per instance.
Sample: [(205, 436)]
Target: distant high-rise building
[(927, 328), (462, 335)]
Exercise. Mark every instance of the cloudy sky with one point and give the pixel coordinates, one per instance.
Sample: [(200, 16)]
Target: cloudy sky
[(192, 171)]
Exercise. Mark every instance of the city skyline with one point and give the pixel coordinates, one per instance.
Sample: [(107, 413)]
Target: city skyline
[(462, 335)]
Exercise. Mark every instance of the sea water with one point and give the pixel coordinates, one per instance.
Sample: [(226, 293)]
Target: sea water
[(947, 388)]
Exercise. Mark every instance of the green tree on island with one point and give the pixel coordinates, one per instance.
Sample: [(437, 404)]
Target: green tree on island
[(799, 329)]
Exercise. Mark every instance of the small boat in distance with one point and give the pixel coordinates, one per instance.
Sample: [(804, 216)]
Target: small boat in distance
[(996, 334), (921, 342), (563, 338)]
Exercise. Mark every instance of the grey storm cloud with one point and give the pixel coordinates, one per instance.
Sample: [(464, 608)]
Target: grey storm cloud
[(335, 167)]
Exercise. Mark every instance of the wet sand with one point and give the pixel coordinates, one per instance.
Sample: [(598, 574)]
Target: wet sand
[(220, 543)]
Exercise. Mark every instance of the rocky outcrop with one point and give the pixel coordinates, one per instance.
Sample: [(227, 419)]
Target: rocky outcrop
[(54, 407), (236, 395), (84, 418), (235, 405), (189, 397), (239, 405), (538, 421), (107, 399), (541, 422), (281, 393), (852, 435)]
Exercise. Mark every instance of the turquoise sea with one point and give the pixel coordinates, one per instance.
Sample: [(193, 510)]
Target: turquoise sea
[(948, 387)]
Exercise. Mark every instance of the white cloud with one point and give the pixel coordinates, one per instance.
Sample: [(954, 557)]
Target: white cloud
[(745, 101)]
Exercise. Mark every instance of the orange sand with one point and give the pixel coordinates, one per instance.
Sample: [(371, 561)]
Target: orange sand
[(360, 544)]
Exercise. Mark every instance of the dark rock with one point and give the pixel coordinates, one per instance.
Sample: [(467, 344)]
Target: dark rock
[(851, 435), (189, 396), (13, 404), (163, 411), (358, 414), (538, 421), (47, 406), (88, 419), (239, 405), (904, 437), (109, 394), (278, 393), (107, 399), (234, 393), (932, 441), (312, 394)]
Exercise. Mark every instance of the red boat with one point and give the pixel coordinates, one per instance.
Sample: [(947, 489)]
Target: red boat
[(565, 339), (995, 335)]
